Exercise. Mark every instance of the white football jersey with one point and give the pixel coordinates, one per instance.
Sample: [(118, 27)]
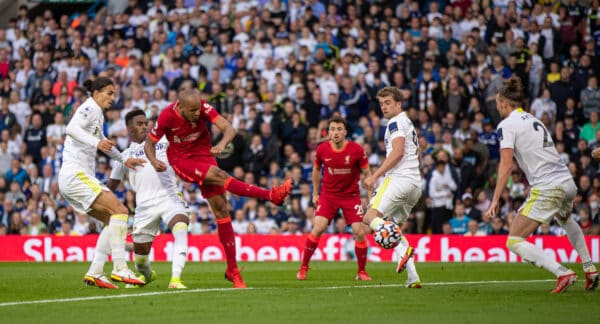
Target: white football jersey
[(408, 167), (84, 131), (145, 181), (533, 149)]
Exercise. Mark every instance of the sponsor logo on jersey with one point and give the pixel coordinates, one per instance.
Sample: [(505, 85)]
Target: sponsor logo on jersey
[(393, 127), (339, 171), (347, 159), (192, 137)]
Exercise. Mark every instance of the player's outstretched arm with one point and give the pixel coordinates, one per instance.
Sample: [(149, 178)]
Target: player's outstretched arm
[(504, 171), (150, 150), (228, 135)]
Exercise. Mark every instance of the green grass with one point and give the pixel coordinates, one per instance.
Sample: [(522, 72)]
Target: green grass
[(330, 295)]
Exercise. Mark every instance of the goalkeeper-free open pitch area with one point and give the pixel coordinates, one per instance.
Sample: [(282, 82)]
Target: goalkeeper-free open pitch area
[(451, 293)]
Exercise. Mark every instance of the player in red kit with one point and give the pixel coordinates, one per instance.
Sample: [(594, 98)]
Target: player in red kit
[(192, 157), (342, 161)]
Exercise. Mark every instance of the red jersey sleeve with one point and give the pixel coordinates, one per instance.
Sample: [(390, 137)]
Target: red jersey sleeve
[(160, 127), (208, 112)]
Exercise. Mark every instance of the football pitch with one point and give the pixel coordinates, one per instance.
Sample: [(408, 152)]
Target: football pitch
[(451, 293)]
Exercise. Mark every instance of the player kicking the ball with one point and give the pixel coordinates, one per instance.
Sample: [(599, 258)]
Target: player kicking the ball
[(156, 199), (342, 162), (192, 157), (401, 187), (552, 187)]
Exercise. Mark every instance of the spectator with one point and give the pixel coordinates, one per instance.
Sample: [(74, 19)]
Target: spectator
[(16, 173), (460, 222), (474, 230), (35, 138), (590, 97), (441, 188), (588, 131), (264, 224)]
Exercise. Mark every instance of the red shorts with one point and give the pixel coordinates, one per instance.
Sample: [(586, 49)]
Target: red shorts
[(352, 208), (194, 169)]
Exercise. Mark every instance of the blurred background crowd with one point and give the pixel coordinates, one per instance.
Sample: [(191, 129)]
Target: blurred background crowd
[(277, 70)]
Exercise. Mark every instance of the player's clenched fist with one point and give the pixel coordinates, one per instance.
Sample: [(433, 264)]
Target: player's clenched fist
[(159, 165), (105, 145)]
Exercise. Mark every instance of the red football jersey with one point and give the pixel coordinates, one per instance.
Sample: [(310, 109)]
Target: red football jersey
[(341, 169), (185, 138)]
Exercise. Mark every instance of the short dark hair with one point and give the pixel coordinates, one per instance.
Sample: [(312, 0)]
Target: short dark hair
[(132, 114), (339, 120)]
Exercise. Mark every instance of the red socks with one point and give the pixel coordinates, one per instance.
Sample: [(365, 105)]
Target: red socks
[(240, 188), (228, 241), (360, 248), (311, 244)]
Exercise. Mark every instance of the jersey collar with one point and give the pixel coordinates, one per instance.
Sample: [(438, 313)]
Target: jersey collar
[(340, 150)]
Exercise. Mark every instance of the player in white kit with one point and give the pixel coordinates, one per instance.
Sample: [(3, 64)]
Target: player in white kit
[(156, 199), (401, 187), (525, 138), (78, 185)]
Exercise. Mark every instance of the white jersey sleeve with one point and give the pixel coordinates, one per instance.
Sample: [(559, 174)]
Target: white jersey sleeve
[(84, 131), (77, 127), (507, 136)]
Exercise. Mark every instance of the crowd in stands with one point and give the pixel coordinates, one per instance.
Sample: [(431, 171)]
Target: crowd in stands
[(277, 70)]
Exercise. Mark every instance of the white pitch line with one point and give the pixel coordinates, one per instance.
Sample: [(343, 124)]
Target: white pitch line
[(207, 290)]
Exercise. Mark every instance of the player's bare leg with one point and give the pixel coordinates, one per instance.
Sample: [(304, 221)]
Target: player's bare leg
[(218, 205), (359, 231), (277, 195), (578, 242), (520, 229)]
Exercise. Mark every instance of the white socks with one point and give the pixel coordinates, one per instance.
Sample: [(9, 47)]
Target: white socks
[(375, 222), (180, 248), (411, 270), (101, 253), (578, 242), (117, 229), (142, 265), (533, 254)]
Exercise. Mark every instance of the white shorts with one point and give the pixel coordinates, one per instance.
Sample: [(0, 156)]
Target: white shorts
[(147, 219), (79, 189), (395, 199), (543, 204)]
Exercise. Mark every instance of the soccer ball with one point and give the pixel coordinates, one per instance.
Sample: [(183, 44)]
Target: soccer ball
[(388, 235)]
